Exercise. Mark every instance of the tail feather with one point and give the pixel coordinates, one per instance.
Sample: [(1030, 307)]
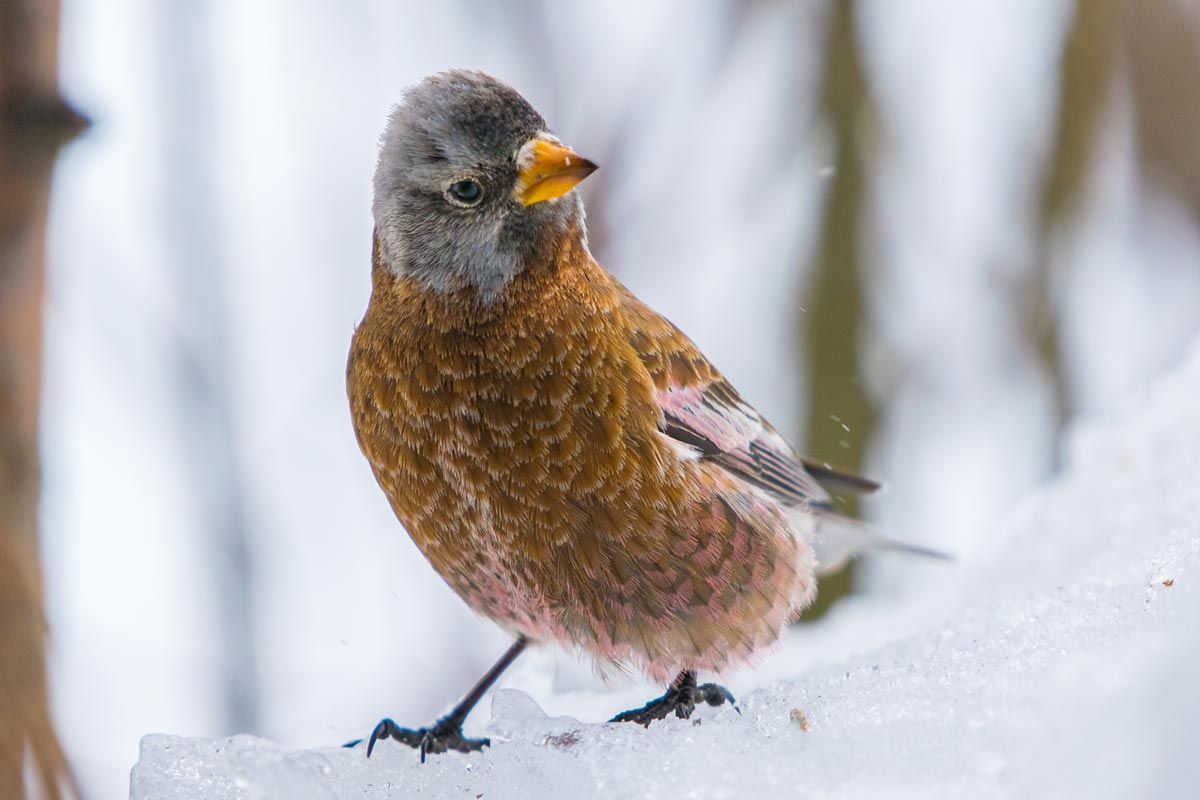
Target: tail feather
[(839, 539)]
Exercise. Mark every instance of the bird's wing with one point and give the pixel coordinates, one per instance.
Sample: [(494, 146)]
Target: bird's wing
[(703, 411)]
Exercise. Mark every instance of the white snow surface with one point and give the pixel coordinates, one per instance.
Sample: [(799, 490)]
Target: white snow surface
[(1059, 662)]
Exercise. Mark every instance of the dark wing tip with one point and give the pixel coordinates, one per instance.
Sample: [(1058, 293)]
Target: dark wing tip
[(834, 479)]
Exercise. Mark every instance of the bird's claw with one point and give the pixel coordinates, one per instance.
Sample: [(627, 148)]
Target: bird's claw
[(680, 698), (443, 736), (716, 695)]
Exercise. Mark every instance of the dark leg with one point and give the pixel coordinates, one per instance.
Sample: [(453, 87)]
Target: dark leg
[(446, 734), (681, 698)]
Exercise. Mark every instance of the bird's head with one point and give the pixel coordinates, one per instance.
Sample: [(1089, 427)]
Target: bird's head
[(470, 185)]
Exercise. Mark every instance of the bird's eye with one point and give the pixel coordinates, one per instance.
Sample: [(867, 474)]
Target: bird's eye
[(466, 192)]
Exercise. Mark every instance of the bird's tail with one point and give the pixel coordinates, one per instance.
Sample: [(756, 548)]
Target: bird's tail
[(838, 539)]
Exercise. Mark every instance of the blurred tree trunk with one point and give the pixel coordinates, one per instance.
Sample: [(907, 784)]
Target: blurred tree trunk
[(841, 415), (204, 357), (1155, 45), (34, 123), (1085, 89), (1085, 93), (1162, 39)]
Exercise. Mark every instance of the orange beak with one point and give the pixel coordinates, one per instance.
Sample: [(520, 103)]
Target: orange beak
[(549, 170)]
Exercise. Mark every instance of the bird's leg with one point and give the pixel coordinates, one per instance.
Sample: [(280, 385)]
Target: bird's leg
[(681, 698), (446, 733)]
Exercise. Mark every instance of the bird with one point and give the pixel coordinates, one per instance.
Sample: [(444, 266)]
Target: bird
[(566, 459)]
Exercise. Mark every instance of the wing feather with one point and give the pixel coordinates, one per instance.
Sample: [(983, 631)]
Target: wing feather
[(705, 412)]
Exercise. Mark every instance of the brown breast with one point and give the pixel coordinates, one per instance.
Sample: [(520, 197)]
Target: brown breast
[(519, 444), (516, 441)]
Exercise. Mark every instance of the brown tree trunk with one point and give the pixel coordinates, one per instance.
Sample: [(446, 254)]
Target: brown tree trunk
[(34, 123), (1086, 75), (841, 414)]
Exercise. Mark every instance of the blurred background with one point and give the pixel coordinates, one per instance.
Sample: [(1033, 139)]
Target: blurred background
[(922, 237)]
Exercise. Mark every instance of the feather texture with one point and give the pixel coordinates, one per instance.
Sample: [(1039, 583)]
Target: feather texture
[(521, 443), (701, 409)]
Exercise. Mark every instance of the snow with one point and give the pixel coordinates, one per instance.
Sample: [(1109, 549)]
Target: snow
[(1059, 661)]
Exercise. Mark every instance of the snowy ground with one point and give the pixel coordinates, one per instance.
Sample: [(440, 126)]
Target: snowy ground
[(1061, 662)]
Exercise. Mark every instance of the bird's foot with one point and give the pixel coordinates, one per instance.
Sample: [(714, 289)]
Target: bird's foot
[(681, 699), (445, 735)]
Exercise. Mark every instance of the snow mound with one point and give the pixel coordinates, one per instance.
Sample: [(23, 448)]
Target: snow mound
[(1061, 664)]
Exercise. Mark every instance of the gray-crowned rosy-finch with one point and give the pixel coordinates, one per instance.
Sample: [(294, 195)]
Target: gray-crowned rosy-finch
[(567, 459)]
